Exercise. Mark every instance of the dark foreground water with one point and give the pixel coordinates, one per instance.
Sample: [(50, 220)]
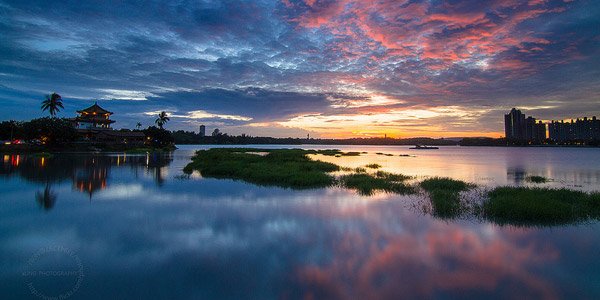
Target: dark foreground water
[(91, 226)]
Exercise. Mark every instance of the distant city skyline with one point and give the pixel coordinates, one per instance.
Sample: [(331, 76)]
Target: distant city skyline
[(519, 127), (331, 69)]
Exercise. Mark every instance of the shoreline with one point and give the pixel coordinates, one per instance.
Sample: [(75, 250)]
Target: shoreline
[(399, 145), (32, 149)]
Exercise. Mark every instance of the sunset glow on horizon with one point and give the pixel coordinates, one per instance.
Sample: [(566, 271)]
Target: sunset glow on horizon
[(331, 69)]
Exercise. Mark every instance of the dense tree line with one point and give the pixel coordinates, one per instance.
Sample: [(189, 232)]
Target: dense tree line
[(158, 137), (59, 132), (190, 137), (50, 131)]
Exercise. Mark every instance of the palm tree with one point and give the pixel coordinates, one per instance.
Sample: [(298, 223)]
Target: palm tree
[(53, 104), (162, 119), (47, 198), (138, 125)]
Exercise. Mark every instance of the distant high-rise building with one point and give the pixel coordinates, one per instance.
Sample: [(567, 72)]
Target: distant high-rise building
[(530, 128), (581, 130), (514, 125), (202, 131), (517, 127), (540, 132)]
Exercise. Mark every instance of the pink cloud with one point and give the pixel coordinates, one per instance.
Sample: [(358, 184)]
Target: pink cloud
[(416, 266), (419, 31)]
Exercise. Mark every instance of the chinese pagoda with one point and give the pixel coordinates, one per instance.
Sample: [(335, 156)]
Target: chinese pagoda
[(94, 126), (94, 117)]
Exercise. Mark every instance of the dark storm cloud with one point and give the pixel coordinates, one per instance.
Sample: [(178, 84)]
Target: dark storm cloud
[(260, 105)]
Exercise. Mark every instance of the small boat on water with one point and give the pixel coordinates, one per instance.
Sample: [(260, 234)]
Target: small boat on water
[(421, 147)]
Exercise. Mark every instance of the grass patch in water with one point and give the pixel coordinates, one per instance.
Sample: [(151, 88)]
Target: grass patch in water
[(445, 196), (360, 170), (279, 167), (367, 184), (332, 152), (373, 166), (384, 154), (536, 179), (328, 152), (392, 176), (540, 206), (521, 206), (351, 154)]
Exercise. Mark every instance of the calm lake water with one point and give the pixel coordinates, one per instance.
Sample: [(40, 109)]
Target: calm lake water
[(97, 226)]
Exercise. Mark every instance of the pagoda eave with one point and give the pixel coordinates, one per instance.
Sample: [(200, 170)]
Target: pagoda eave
[(98, 121)]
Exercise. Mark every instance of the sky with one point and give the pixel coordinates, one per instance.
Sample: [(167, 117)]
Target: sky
[(334, 69)]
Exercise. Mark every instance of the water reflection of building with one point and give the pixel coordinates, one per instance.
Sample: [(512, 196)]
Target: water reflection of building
[(516, 175), (89, 173), (91, 176)]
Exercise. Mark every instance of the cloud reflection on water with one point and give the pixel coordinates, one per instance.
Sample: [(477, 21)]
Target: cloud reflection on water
[(208, 238)]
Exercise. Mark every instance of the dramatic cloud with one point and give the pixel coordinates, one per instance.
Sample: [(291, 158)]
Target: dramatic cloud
[(332, 68)]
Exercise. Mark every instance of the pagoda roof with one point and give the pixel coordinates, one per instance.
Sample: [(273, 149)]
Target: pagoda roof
[(95, 109)]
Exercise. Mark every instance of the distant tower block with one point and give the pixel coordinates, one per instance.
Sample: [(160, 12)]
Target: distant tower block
[(202, 131)]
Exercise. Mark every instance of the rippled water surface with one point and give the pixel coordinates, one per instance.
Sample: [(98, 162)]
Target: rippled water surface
[(92, 226)]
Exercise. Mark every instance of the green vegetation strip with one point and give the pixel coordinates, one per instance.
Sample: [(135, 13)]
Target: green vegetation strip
[(445, 196), (332, 152), (293, 168), (373, 166), (367, 184), (540, 206), (282, 167), (384, 154)]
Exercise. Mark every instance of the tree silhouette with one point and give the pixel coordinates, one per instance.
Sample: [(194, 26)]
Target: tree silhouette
[(162, 119), (52, 104), (138, 125), (46, 199)]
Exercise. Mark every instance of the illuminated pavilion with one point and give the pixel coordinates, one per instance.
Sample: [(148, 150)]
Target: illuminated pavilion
[(94, 125), (94, 117)]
